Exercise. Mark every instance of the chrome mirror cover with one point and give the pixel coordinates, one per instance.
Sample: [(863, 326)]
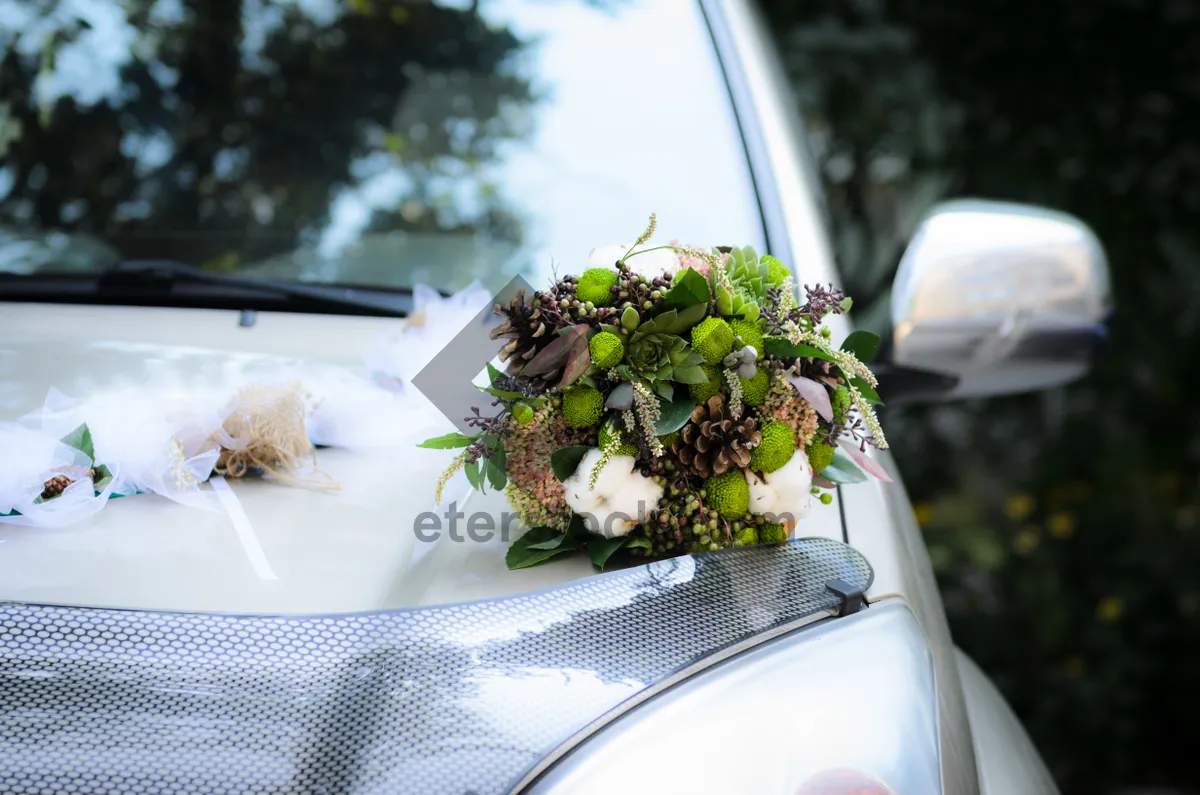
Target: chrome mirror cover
[(1004, 297)]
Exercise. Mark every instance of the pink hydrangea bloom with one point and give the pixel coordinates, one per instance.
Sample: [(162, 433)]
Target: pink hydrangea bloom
[(784, 404), (690, 261), (533, 490)]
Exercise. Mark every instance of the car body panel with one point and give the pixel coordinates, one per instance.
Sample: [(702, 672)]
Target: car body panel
[(1004, 754)]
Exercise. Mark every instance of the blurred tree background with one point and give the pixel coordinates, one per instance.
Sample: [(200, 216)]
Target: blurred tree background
[(1063, 526)]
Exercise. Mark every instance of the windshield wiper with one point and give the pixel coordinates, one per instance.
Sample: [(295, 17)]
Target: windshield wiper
[(171, 283)]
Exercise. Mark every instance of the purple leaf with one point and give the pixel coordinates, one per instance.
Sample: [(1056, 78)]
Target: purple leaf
[(815, 393), (555, 355), (578, 362), (823, 483), (621, 397), (870, 465)]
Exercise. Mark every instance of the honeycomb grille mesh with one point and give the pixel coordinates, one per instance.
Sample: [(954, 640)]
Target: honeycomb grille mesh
[(452, 699)]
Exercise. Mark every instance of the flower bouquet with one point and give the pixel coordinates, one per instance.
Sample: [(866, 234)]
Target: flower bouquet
[(669, 400)]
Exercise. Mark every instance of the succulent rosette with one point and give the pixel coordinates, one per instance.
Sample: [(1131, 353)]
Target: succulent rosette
[(669, 400)]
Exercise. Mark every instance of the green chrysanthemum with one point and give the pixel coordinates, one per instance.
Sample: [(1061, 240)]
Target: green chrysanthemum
[(728, 494), (776, 448), (607, 349), (712, 339), (582, 406), (820, 453), (754, 390), (746, 537), (772, 534), (841, 402), (777, 272), (745, 333), (703, 391), (595, 285), (668, 439)]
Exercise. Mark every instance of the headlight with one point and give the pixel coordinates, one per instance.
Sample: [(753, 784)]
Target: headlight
[(843, 707)]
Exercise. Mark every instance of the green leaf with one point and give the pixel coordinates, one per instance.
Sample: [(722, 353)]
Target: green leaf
[(674, 414), (777, 346), (447, 442), (688, 288), (842, 469), (664, 389), (869, 394), (104, 477), (497, 464), (473, 475), (500, 393), (493, 373), (600, 549), (639, 543), (630, 319), (553, 543), (523, 553), (81, 440), (495, 471), (689, 374), (565, 460), (686, 318), (847, 302), (862, 344)]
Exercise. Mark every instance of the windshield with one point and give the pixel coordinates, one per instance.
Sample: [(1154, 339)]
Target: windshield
[(383, 143)]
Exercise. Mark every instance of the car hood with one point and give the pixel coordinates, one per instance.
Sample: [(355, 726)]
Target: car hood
[(294, 550), (451, 699)]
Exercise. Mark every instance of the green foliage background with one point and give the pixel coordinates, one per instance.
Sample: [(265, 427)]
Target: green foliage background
[(1063, 526)]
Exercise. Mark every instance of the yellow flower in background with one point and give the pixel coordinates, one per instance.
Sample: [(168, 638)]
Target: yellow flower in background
[(1061, 524), (1026, 541), (1110, 609), (1074, 666), (923, 512), (1018, 507)]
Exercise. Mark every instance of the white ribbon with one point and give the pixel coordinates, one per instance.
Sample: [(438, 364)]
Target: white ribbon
[(241, 524)]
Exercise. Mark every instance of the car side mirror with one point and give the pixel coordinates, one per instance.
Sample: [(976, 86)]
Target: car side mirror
[(993, 298)]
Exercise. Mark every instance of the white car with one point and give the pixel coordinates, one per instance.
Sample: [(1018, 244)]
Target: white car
[(300, 640)]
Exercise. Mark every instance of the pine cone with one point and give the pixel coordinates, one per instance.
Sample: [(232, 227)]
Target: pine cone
[(821, 370), (55, 486), (712, 442), (524, 329)]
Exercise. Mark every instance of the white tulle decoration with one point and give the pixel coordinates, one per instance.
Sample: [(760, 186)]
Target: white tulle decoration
[(166, 441), (159, 441), (30, 459)]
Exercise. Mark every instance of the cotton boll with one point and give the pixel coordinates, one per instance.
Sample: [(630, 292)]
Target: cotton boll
[(631, 505), (762, 495), (606, 256), (620, 499), (652, 264), (580, 495), (784, 493)]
